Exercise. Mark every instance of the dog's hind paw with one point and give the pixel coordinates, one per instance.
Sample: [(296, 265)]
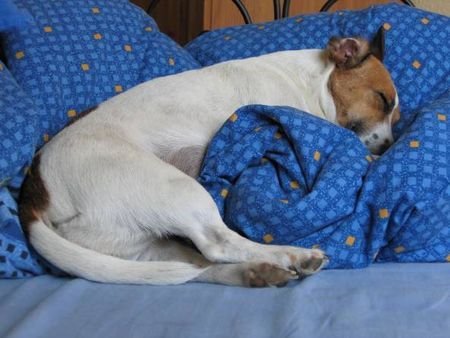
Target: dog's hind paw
[(266, 274)]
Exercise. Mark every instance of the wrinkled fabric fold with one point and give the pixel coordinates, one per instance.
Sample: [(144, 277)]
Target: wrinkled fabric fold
[(282, 176)]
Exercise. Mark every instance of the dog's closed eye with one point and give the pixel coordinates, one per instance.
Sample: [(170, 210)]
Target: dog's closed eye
[(387, 105)]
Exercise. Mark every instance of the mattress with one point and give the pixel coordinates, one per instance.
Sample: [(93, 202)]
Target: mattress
[(384, 300)]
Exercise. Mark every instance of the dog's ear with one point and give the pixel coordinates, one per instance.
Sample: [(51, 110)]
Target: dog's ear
[(377, 44), (347, 52)]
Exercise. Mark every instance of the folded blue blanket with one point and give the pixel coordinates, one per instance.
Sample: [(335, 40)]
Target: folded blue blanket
[(282, 176)]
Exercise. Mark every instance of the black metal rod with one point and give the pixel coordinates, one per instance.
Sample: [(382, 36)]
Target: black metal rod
[(243, 10), (152, 6), (276, 9), (286, 8), (276, 5), (409, 3), (327, 5), (330, 3)]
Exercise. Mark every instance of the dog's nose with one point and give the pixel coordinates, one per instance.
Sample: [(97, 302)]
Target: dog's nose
[(384, 146)]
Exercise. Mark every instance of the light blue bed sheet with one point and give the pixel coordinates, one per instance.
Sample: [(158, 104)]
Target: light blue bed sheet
[(384, 300)]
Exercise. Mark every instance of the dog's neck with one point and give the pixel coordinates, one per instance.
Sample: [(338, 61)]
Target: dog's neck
[(311, 70)]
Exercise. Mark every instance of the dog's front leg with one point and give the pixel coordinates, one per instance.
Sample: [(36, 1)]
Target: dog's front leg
[(194, 215), (249, 274)]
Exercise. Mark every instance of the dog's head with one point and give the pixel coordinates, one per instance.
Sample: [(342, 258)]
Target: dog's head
[(365, 96)]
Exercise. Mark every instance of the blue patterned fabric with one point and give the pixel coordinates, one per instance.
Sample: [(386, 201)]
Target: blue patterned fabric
[(302, 181), (18, 118), (18, 138), (11, 17), (79, 53), (283, 176), (74, 55)]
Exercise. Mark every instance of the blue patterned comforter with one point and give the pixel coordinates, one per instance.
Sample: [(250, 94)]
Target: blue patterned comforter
[(282, 176)]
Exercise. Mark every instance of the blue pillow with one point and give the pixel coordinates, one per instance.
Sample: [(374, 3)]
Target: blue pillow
[(18, 138), (11, 17), (18, 131), (81, 52), (417, 45), (74, 55)]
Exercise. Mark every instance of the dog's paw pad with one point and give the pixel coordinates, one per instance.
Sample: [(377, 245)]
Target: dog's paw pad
[(265, 274)]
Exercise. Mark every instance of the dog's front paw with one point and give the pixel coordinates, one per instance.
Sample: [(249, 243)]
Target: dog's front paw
[(309, 262)]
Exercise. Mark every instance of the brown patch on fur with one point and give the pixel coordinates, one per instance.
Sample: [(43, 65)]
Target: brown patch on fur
[(358, 91), (34, 197), (81, 115)]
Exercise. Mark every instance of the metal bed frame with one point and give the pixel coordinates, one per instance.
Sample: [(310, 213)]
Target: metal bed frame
[(279, 12)]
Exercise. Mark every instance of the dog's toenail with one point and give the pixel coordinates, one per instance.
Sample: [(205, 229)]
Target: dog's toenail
[(281, 285)]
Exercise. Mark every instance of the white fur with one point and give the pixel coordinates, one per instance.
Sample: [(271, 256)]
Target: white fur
[(115, 197), (382, 132)]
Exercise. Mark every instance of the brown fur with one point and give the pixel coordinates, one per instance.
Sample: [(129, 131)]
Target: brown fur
[(34, 197), (367, 80)]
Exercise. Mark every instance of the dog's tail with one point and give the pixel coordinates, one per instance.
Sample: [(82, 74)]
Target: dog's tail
[(98, 267)]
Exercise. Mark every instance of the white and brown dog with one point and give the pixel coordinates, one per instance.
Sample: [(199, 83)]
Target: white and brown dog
[(109, 198)]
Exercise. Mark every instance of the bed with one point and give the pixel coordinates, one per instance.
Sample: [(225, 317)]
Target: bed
[(65, 59), (392, 300)]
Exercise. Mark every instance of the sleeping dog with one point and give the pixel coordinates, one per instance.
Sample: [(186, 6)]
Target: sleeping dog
[(113, 196)]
